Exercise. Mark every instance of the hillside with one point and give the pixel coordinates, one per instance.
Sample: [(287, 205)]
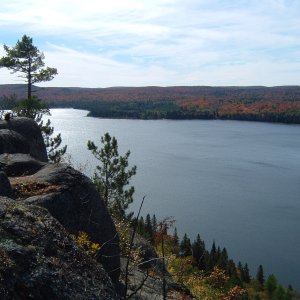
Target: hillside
[(258, 103), (155, 93)]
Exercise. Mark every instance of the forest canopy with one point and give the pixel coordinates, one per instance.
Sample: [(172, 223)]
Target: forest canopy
[(270, 104)]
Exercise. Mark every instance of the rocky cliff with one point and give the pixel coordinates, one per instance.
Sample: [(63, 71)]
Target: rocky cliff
[(41, 204), (22, 135), (39, 260)]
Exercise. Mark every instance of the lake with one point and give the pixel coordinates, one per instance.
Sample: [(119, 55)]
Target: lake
[(236, 183)]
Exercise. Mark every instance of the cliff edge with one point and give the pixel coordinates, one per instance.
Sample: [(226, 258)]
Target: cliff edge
[(41, 204)]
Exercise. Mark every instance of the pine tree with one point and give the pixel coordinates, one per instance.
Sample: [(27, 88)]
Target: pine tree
[(154, 223), (213, 250), (27, 59), (240, 270), (112, 175), (218, 256), (246, 274), (223, 261), (141, 226), (185, 246), (175, 237), (198, 248), (148, 226), (213, 256), (232, 272), (260, 276)]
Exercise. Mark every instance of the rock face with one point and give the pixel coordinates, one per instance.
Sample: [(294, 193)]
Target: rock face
[(13, 142), (77, 206), (22, 135), (19, 164), (69, 196), (39, 260)]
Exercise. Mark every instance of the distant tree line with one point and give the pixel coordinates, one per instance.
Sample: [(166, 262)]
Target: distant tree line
[(248, 110), (137, 110)]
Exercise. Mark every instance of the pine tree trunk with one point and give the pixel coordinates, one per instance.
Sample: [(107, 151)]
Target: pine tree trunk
[(29, 81)]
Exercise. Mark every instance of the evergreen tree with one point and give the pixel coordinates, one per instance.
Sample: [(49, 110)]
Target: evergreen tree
[(271, 284), (260, 276), (148, 226), (141, 227), (213, 250), (212, 257), (27, 59), (246, 274), (198, 248), (112, 175), (32, 108), (7, 103), (35, 109), (240, 270), (232, 272), (218, 256), (185, 246), (208, 267), (223, 261), (175, 243), (154, 223), (290, 293)]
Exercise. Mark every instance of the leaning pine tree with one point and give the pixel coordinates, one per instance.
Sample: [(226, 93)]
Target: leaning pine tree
[(26, 59), (112, 175)]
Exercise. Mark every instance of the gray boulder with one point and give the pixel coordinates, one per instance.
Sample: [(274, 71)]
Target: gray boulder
[(76, 204), (39, 260), (19, 164), (13, 142), (30, 131)]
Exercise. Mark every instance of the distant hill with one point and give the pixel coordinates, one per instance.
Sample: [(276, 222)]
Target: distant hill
[(155, 93), (259, 103)]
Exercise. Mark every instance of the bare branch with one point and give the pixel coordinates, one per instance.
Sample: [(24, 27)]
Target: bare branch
[(139, 287), (131, 245)]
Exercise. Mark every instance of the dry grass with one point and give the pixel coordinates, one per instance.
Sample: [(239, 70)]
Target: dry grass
[(27, 186)]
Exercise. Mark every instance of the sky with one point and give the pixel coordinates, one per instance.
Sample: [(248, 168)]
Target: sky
[(95, 43)]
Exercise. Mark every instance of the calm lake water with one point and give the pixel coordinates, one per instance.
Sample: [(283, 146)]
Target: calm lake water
[(234, 182)]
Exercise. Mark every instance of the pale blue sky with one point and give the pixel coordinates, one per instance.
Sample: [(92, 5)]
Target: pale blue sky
[(95, 43)]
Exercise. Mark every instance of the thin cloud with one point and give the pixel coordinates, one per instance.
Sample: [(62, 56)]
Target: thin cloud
[(180, 40)]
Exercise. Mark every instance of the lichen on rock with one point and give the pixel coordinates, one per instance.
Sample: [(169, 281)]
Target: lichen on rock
[(39, 260)]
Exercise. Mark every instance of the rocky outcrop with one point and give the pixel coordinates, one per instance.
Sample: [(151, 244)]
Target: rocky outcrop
[(76, 204), (39, 260), (22, 135), (19, 164), (68, 195), (13, 142)]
